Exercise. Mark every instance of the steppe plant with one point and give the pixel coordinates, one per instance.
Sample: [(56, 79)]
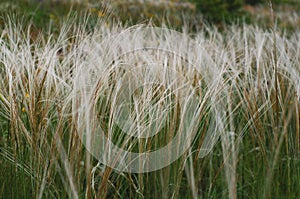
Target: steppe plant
[(141, 111)]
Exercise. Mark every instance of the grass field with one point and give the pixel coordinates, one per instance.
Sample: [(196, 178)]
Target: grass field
[(236, 92)]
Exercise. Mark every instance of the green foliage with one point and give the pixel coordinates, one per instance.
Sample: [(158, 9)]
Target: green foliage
[(39, 12), (219, 10), (254, 2)]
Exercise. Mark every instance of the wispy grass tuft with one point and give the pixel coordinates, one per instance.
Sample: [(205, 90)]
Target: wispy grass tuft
[(56, 89)]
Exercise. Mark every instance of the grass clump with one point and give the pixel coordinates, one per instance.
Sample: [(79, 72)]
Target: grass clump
[(56, 89)]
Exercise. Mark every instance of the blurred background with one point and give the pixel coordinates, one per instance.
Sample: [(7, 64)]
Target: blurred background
[(175, 13)]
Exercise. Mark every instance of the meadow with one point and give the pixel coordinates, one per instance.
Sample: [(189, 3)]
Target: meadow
[(230, 96)]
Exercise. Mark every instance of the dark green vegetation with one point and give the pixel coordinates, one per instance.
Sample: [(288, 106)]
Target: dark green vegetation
[(229, 11), (219, 10), (192, 13)]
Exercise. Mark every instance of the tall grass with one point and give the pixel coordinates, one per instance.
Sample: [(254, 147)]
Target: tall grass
[(57, 91)]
